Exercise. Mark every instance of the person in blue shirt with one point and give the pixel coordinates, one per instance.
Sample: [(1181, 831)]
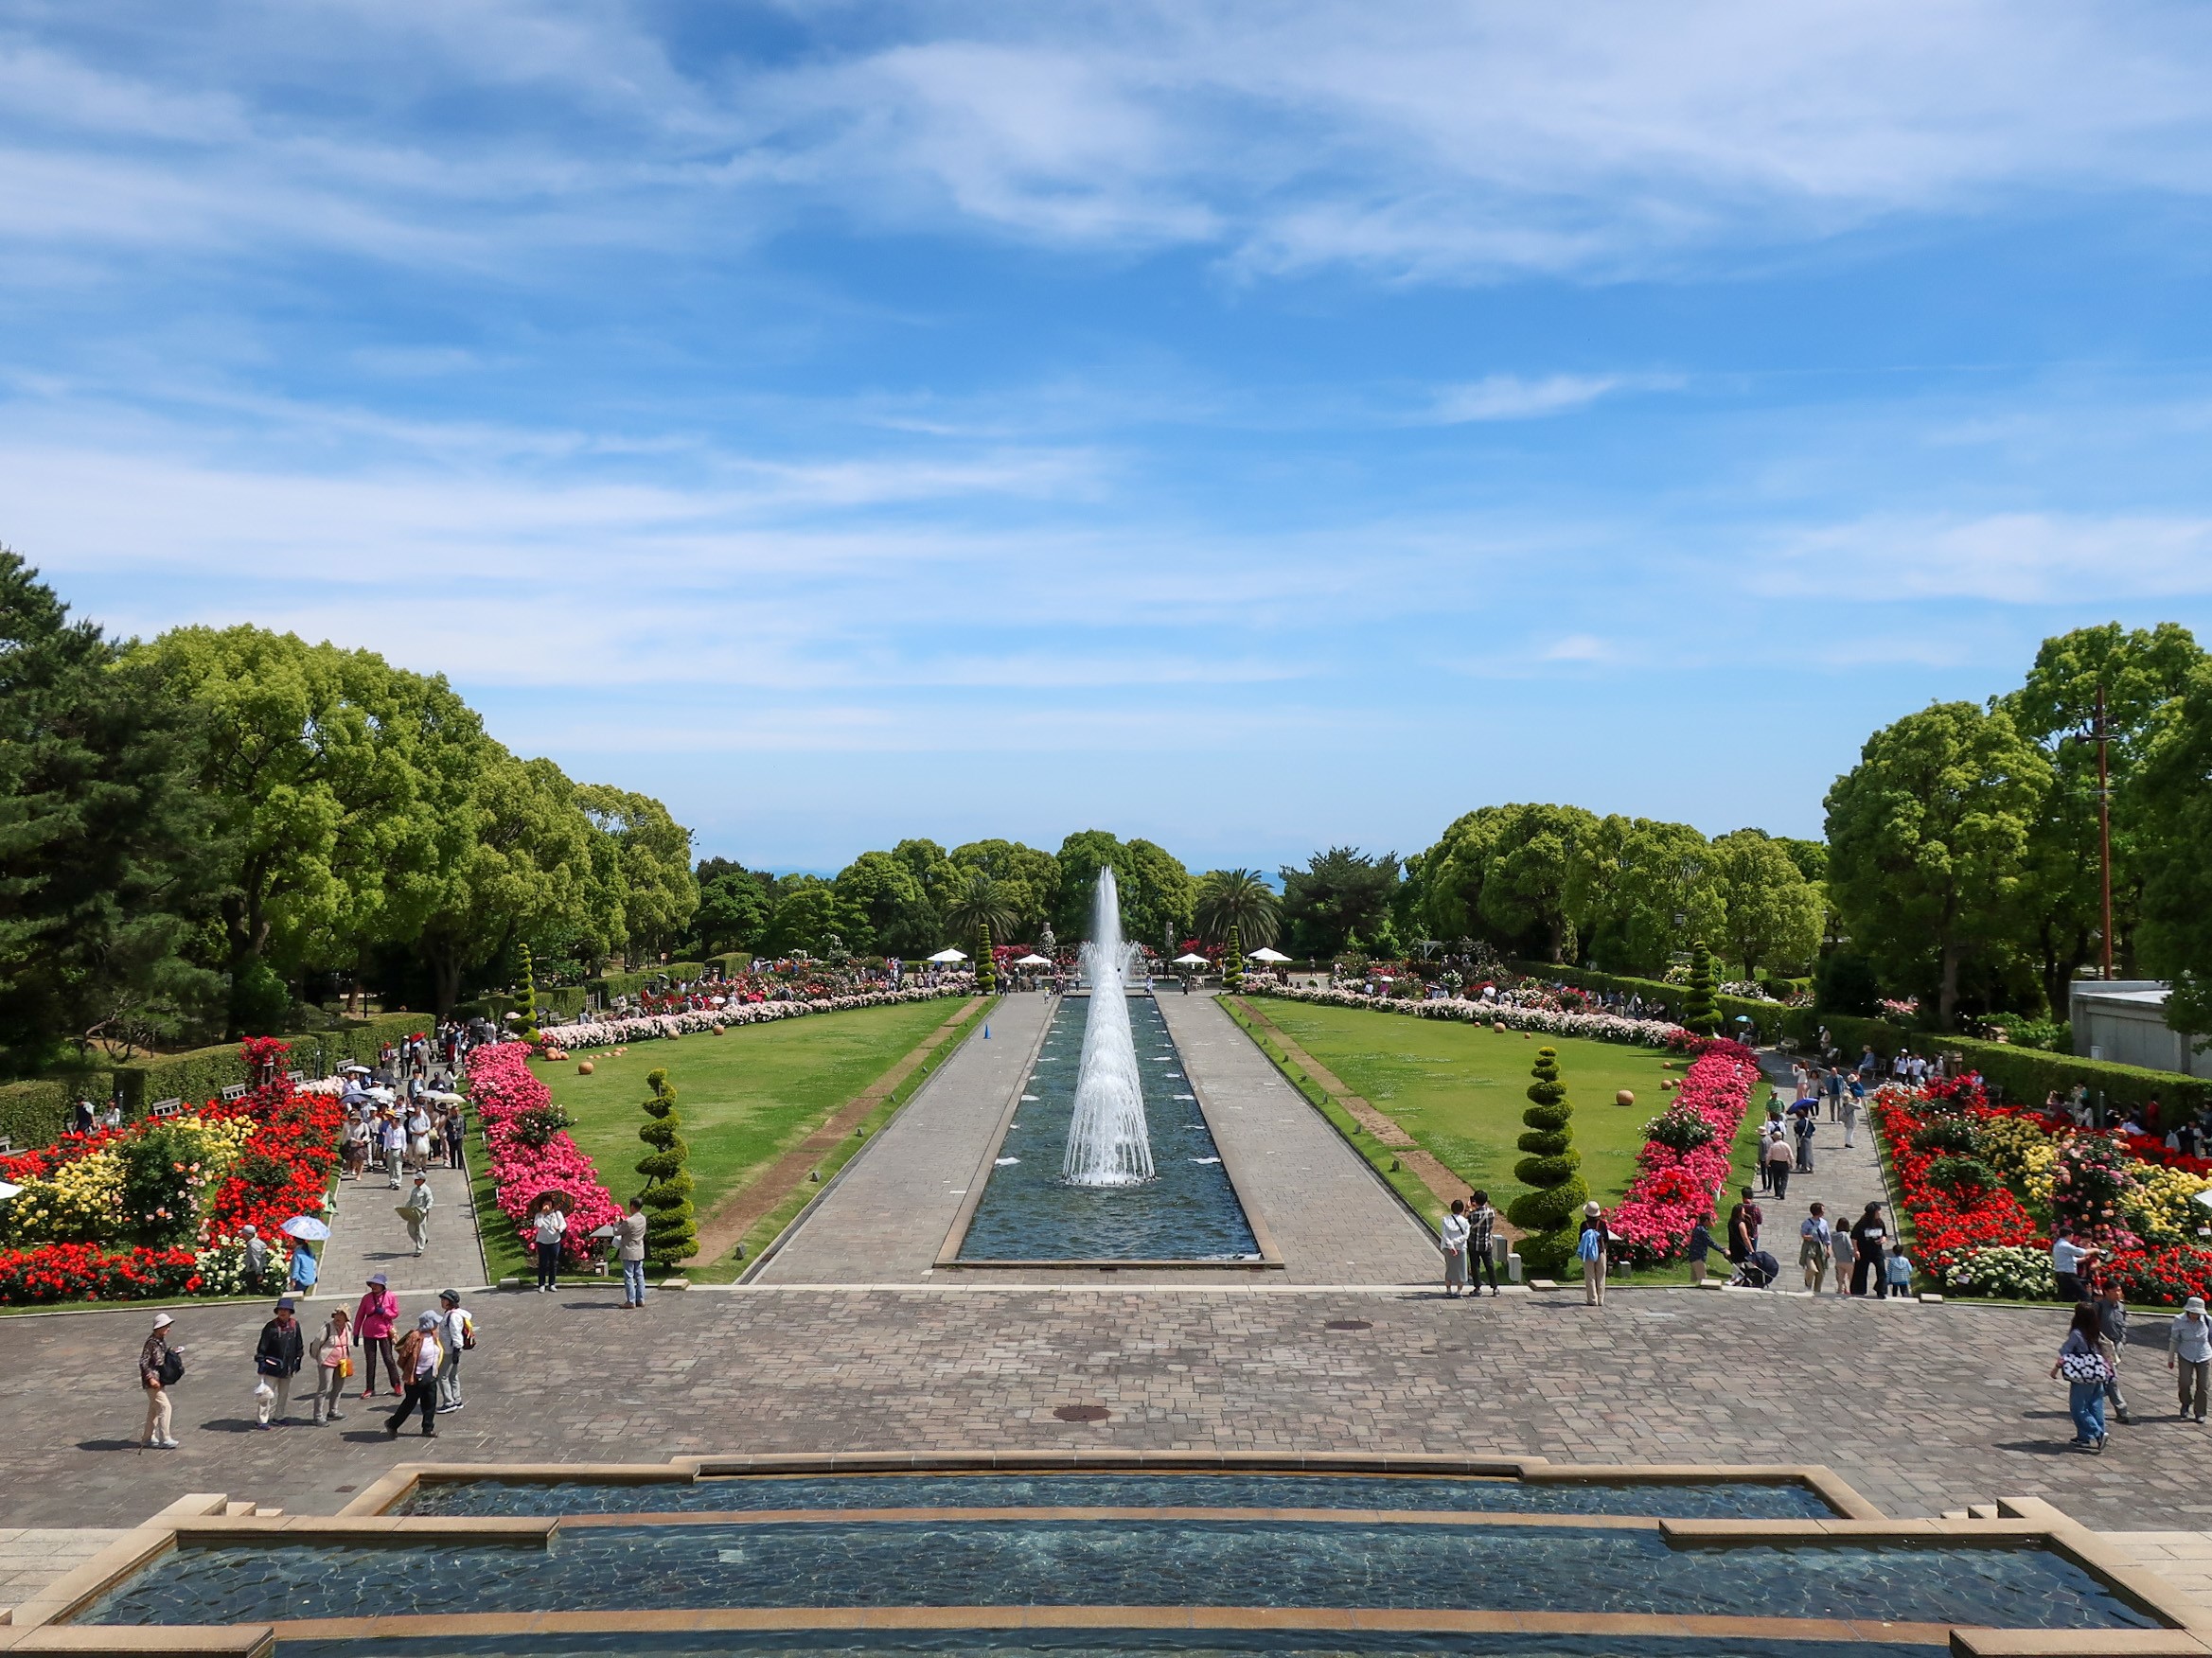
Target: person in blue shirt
[(1897, 1273), (1701, 1244), (1590, 1250)]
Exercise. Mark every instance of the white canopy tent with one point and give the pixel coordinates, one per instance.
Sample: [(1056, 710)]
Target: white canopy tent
[(1034, 959), (948, 956), (1192, 960), (1265, 954)]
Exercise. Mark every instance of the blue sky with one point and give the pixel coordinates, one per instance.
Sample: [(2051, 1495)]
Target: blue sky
[(1253, 426)]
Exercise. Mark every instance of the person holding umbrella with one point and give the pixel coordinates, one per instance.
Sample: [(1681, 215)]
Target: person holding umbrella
[(415, 1211), (548, 1226)]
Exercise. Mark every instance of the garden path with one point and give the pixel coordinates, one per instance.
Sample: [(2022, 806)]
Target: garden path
[(366, 1236), (1845, 1181)]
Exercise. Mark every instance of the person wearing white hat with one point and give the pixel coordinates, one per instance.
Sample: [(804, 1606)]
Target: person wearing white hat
[(1590, 1250), (158, 1364), (2188, 1351)]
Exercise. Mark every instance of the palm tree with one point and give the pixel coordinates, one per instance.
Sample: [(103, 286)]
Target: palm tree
[(1240, 899), (980, 904)]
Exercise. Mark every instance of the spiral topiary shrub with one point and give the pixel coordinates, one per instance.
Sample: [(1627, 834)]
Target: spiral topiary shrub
[(1546, 1215), (671, 1235), (987, 967), (1700, 1012), (1232, 959)]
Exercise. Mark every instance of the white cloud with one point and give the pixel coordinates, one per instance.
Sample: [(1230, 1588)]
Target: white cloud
[(2018, 558), (1506, 396)]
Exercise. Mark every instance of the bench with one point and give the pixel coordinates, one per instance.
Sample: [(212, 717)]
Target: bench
[(164, 1108), (235, 1091)]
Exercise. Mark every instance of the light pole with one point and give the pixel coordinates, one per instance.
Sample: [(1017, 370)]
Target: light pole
[(2100, 733)]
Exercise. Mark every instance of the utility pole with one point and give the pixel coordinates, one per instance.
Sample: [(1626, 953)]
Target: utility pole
[(2100, 733)]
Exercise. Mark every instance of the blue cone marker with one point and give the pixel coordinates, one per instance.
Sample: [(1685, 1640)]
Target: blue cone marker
[(986, 1030)]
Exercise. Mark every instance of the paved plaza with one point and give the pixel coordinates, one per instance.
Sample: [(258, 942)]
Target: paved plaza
[(1923, 1407)]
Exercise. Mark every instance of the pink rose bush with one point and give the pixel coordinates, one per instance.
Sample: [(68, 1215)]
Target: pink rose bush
[(1534, 1011), (502, 1088), (1677, 1188), (608, 1032)]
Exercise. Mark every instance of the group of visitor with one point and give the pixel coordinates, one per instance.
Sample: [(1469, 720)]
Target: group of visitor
[(423, 1367)]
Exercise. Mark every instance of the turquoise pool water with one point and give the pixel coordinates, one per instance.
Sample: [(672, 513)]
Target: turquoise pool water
[(1727, 1500), (1504, 1567), (1186, 1212)]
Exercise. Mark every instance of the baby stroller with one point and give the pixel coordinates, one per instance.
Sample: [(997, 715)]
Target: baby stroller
[(1756, 1270)]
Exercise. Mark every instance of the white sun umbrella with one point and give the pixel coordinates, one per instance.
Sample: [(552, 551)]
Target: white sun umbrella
[(948, 956), (1032, 960), (1192, 960), (1265, 954), (7, 1191)]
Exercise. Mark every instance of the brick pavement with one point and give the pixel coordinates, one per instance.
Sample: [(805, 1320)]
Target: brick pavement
[(1924, 1408), (366, 1236)]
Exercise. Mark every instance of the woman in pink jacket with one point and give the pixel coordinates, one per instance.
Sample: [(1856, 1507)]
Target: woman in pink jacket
[(373, 1321)]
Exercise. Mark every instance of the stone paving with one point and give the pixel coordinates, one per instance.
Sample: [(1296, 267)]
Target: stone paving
[(1924, 1408), (366, 1236)]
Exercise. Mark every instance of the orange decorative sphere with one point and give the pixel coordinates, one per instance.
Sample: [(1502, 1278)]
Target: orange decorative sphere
[(1626, 1097), (584, 1067)]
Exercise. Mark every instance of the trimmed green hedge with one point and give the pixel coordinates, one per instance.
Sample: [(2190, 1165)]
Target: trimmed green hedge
[(36, 1112), (2021, 1076), (202, 1073)]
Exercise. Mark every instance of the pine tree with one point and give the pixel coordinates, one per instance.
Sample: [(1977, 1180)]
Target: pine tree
[(1232, 959), (526, 999), (670, 1236), (1548, 1213), (986, 970), (1700, 1013)]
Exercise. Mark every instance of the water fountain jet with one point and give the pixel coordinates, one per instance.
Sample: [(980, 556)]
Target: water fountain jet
[(1108, 1143)]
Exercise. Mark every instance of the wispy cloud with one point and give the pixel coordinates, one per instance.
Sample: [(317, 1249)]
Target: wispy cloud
[(2005, 559), (1506, 396)]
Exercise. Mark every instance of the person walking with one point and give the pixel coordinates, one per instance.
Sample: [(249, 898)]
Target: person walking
[(1897, 1274), (332, 1351), (1870, 1244), (547, 1229), (415, 1211), (256, 1249), (160, 1365), (2084, 1370), (2188, 1352), (1841, 1243), (630, 1242), (1815, 1239), (1854, 1095), (1453, 1239), (393, 1139), (1777, 1160), (1699, 1249), (456, 1334), (1481, 1251), (456, 1132), (1744, 1221), (373, 1320), (1590, 1250), (277, 1360), (1804, 1138), (419, 1354), (305, 1268), (2112, 1326)]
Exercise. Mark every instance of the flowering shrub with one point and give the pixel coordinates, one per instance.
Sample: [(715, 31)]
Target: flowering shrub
[(2090, 1190), (1949, 1225), (180, 1188), (1680, 1181), (2014, 1272), (608, 1032), (1509, 1009), (508, 1095)]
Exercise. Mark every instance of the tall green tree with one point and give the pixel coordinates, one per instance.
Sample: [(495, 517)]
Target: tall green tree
[(805, 916), (887, 908), (1157, 896), (1639, 891), (1028, 878), (978, 903), (1770, 914), (733, 908), (1341, 892), (1239, 902), (106, 850), (671, 1231), (658, 890), (2173, 831), (2141, 673), (1528, 889), (1082, 855), (1928, 838)]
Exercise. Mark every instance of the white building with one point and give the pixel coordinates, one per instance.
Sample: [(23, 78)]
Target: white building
[(2124, 1020)]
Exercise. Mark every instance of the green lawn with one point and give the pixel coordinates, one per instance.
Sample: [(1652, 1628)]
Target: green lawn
[(1459, 1089), (743, 1098)]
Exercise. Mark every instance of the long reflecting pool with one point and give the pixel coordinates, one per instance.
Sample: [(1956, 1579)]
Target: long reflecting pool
[(1717, 1500), (1186, 1212), (1352, 1564), (1095, 1644)]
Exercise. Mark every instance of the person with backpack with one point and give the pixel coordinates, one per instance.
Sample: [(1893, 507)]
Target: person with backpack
[(1482, 1252), (456, 1334), (1590, 1250), (333, 1355), (2083, 1366), (161, 1367), (276, 1361), (1454, 1240)]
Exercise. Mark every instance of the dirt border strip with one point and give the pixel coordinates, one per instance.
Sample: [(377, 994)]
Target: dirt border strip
[(735, 1215)]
